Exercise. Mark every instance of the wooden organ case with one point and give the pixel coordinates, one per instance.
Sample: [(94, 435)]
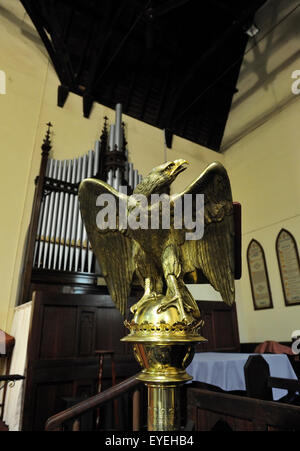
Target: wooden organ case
[(73, 314)]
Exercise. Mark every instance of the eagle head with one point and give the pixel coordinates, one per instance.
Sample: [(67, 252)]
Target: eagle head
[(161, 177)]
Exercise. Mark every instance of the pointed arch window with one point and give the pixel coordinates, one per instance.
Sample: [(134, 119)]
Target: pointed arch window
[(258, 274), (289, 268)]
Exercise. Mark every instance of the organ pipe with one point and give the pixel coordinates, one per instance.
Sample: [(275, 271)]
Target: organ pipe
[(61, 239)]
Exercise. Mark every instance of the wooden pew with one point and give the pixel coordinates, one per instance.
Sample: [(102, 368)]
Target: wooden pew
[(212, 411), (257, 373), (216, 410), (259, 383)]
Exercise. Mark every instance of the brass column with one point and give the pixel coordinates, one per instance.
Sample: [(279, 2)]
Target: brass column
[(163, 407), (164, 345)]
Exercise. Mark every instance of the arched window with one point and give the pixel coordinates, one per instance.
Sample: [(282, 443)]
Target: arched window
[(258, 274), (288, 262)]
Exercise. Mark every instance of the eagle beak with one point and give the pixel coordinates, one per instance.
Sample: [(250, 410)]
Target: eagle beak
[(179, 166)]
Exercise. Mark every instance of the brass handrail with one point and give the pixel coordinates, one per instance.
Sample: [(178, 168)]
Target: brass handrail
[(54, 423)]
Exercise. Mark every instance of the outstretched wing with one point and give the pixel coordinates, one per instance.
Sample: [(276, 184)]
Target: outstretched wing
[(213, 254), (112, 248)]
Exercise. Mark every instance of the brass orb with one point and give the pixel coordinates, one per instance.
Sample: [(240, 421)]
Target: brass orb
[(164, 341), (151, 323)]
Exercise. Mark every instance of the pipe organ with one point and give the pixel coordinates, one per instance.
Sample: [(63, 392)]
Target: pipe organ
[(58, 252)]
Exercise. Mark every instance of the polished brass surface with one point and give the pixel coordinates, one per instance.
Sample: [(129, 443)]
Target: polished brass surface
[(163, 363), (163, 345), (164, 328), (150, 324), (161, 256), (163, 407)]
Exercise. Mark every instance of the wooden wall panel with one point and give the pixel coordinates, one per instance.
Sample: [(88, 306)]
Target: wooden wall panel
[(220, 327), (58, 332), (50, 397), (65, 332), (212, 411), (87, 326), (207, 421), (224, 329)]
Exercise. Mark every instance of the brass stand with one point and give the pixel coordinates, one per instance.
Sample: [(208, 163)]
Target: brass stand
[(164, 345), (163, 407)]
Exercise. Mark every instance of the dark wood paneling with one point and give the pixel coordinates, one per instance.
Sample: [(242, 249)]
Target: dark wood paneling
[(66, 330), (50, 395), (224, 329), (87, 319), (220, 327), (220, 411), (58, 338), (207, 421)]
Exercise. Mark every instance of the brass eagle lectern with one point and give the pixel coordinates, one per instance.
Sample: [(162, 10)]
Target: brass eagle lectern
[(164, 241)]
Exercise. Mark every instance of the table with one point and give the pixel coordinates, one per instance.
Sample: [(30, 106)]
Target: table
[(226, 370)]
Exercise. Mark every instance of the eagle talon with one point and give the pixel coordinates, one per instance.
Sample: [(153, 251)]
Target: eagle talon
[(177, 302), (148, 297), (166, 305)]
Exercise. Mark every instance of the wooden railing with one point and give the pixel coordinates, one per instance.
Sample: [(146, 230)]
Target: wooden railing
[(56, 422)]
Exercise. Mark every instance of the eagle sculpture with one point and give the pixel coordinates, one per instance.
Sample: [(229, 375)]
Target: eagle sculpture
[(162, 258)]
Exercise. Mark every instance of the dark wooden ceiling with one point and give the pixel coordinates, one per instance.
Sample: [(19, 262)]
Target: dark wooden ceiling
[(173, 64)]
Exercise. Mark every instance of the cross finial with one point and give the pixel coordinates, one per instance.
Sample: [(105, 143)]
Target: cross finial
[(104, 130), (47, 142)]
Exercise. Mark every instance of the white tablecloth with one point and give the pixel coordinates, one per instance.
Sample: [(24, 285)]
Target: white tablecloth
[(226, 370)]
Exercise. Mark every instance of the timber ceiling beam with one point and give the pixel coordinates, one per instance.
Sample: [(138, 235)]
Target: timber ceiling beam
[(236, 25), (162, 59), (33, 13)]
